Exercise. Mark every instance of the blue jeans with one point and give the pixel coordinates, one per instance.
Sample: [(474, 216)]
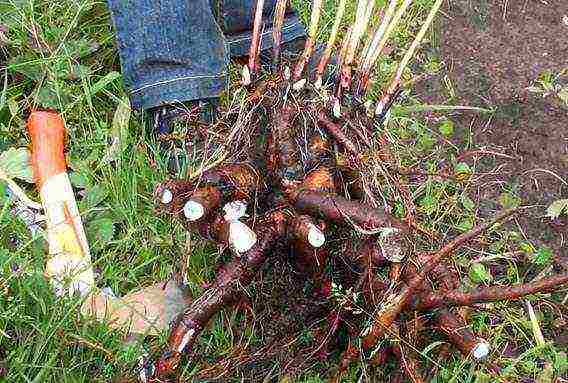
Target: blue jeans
[(178, 50)]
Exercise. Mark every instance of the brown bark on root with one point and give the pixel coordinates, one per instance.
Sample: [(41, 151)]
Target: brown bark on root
[(408, 362), (229, 282), (455, 329), (488, 294), (335, 130), (394, 306), (343, 211)]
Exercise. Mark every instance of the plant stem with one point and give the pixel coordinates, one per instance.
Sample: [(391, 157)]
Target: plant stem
[(364, 10), (254, 60), (279, 14), (340, 10), (373, 51), (395, 82), (310, 41)]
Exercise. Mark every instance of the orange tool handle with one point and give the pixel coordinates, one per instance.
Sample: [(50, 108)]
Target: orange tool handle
[(47, 133)]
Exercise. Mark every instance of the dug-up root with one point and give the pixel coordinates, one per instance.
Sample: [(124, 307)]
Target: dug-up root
[(289, 197)]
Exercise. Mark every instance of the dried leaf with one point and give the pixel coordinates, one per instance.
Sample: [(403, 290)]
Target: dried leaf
[(148, 311), (556, 208), (15, 163), (119, 132)]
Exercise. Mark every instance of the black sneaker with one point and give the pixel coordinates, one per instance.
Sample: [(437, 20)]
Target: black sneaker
[(177, 126)]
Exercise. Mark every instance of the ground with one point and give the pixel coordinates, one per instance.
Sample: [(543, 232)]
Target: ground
[(508, 57), (494, 53)]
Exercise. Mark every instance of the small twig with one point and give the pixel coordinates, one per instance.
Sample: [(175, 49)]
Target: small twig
[(408, 363)]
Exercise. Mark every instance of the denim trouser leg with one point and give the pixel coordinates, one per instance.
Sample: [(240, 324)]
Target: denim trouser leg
[(176, 50)]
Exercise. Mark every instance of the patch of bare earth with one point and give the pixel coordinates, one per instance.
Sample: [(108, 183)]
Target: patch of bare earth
[(493, 51)]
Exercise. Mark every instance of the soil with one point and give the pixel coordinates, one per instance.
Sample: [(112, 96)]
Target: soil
[(493, 50)]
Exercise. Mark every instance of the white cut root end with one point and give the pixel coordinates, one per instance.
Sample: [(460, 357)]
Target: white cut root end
[(185, 340), (167, 197), (316, 237), (318, 83), (245, 76), (287, 73), (241, 237), (481, 350), (390, 248), (193, 210)]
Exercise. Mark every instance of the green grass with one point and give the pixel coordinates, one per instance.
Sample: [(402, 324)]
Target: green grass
[(62, 55)]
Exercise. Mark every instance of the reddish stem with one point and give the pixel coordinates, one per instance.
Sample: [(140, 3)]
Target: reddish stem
[(279, 13), (388, 313), (254, 60), (488, 294), (335, 130)]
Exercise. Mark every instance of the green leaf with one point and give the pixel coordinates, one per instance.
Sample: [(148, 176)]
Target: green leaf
[(478, 273), (543, 256), (15, 163), (527, 247), (101, 231), (426, 142), (556, 208), (428, 204), (467, 203), (79, 180), (509, 201), (466, 224), (462, 172), (446, 128), (482, 377), (431, 347), (103, 82), (119, 132), (95, 195), (560, 362)]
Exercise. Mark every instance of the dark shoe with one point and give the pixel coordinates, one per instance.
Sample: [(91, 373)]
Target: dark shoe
[(176, 127), (163, 119)]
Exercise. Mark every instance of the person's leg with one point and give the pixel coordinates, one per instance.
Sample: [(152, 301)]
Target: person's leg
[(170, 50), (236, 19)]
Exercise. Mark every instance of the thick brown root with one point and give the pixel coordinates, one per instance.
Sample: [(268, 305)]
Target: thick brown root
[(229, 282), (456, 330), (488, 294)]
